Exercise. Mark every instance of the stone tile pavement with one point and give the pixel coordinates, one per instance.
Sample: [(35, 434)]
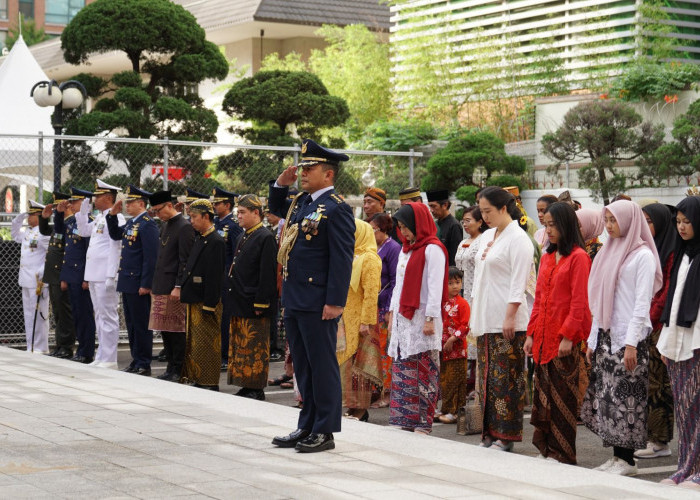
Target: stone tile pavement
[(74, 431)]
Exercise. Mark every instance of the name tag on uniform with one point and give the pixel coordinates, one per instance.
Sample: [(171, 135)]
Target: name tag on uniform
[(100, 228), (33, 243), (75, 231), (196, 279), (223, 232), (58, 236)]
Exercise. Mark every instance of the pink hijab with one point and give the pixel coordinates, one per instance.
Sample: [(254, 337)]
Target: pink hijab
[(634, 234), (592, 223)]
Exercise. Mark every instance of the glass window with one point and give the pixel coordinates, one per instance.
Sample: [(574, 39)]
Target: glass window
[(26, 7), (3, 9), (62, 11)]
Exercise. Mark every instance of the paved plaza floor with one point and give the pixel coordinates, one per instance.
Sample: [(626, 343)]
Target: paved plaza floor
[(73, 431)]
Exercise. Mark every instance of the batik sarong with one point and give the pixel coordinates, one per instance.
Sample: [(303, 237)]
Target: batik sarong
[(414, 391), (685, 383), (249, 352), (555, 407), (660, 419), (203, 347), (362, 371), (168, 314), (382, 328), (453, 384), (502, 368), (615, 406)]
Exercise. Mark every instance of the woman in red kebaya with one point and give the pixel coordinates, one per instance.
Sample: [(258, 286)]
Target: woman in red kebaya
[(560, 321)]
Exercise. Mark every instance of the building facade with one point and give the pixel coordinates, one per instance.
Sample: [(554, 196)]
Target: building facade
[(52, 15), (524, 45)]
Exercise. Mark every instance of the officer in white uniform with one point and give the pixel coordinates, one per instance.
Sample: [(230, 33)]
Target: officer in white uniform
[(101, 266), (31, 271)]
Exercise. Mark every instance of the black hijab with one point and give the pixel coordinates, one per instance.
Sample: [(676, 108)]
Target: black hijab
[(407, 217), (690, 298), (665, 233)]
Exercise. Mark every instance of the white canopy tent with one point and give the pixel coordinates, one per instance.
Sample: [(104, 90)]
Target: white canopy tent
[(19, 114)]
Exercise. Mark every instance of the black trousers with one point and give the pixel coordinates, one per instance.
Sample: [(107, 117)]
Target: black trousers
[(312, 343), (174, 347), (83, 319), (63, 315), (137, 309)]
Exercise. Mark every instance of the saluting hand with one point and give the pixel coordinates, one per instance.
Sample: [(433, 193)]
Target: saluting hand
[(117, 208), (288, 177), (61, 207), (46, 212)]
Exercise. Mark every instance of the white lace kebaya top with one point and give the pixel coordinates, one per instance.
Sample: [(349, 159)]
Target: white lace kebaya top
[(501, 278), (630, 322), (407, 336), (676, 342)]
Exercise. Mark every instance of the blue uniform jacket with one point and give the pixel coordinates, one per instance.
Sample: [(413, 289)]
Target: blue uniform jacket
[(73, 270), (139, 251), (320, 264), (229, 230)]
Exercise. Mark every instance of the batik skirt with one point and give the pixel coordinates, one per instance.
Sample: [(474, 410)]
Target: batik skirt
[(660, 423), (615, 405), (168, 314), (685, 382), (555, 407), (249, 352), (453, 384), (360, 373), (382, 328), (414, 391), (203, 347), (502, 368)]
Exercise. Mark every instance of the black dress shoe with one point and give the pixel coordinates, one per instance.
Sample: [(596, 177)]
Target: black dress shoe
[(315, 443), (161, 356), (164, 376), (146, 372), (129, 369), (291, 439), (87, 360), (64, 353), (258, 394), (81, 359), (54, 352)]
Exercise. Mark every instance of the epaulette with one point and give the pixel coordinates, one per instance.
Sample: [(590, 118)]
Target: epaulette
[(337, 199), (146, 217)]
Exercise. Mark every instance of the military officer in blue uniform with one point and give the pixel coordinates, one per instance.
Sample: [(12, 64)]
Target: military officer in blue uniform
[(73, 273), (316, 253), (139, 237), (60, 299), (229, 230)]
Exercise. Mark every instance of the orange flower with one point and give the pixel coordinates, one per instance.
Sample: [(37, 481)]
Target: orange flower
[(603, 96), (671, 98)]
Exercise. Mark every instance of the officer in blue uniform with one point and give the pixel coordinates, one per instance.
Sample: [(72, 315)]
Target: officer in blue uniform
[(139, 237), (73, 273), (229, 230), (316, 252)]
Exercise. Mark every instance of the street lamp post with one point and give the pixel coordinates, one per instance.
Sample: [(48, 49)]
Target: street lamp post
[(67, 95)]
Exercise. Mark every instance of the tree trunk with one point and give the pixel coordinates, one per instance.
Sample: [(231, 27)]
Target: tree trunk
[(603, 183)]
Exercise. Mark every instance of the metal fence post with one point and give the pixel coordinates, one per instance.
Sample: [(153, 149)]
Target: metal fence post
[(410, 168), (40, 163), (166, 153)]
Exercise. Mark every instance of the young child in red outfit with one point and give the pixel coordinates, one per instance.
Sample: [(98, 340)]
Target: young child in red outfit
[(453, 366)]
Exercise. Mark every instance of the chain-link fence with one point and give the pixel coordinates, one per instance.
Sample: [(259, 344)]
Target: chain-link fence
[(33, 166)]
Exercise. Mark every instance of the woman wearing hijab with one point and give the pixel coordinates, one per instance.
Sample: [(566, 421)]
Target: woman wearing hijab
[(504, 268), (360, 356), (415, 322), (624, 277), (660, 423), (679, 342), (592, 225)]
